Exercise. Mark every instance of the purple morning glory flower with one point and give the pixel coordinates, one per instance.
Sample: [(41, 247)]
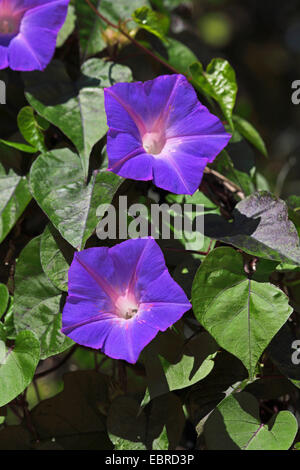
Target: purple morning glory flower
[(121, 297), (28, 32), (158, 130)]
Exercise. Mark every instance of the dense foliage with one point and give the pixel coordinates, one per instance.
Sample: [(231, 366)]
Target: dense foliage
[(224, 376)]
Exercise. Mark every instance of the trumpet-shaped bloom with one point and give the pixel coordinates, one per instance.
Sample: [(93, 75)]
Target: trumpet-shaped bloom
[(120, 297), (158, 130), (28, 32)]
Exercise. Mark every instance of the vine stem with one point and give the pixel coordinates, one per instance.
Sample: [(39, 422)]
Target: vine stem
[(133, 40), (30, 426), (150, 53)]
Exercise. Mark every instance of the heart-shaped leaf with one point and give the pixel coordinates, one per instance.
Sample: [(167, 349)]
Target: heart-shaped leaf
[(241, 314), (235, 424), (193, 366), (58, 186), (17, 365)]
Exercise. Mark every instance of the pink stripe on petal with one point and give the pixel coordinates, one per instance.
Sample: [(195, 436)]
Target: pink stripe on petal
[(103, 316), (110, 291), (134, 116)]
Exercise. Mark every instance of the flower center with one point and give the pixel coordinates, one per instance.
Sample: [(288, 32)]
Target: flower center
[(126, 306), (8, 25), (154, 142)]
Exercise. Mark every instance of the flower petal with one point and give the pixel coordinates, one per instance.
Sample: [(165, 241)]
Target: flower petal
[(200, 133), (178, 172), (163, 303), (32, 51), (84, 324), (91, 276), (200, 146), (3, 58), (99, 276), (182, 133), (127, 339), (124, 150), (42, 14), (159, 94), (125, 107), (137, 263), (33, 47)]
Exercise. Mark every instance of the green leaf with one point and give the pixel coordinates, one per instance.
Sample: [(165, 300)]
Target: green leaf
[(58, 186), (250, 133), (178, 56), (218, 82), (8, 325), (162, 441), (124, 444), (2, 334), (17, 365), (235, 424), (37, 302), (30, 128), (14, 197), (68, 27), (261, 227), (241, 314), (184, 373), (77, 109), (163, 376), (294, 202), (152, 21), (4, 297), (91, 27), (56, 256), (19, 146)]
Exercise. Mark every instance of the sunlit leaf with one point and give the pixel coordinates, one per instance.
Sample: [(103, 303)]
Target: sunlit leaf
[(37, 302), (14, 197), (17, 365), (241, 314), (235, 424), (58, 186), (218, 82)]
